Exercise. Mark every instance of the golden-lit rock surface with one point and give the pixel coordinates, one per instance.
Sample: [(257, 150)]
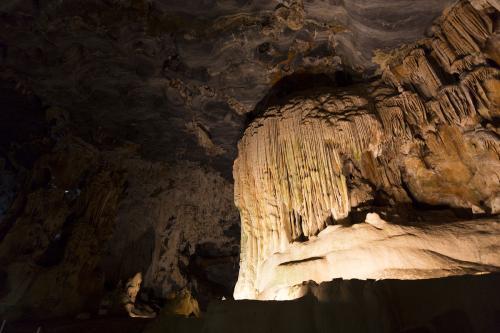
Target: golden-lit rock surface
[(424, 133), (130, 302)]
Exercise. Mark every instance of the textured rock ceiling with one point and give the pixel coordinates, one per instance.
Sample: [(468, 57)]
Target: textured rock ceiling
[(178, 77)]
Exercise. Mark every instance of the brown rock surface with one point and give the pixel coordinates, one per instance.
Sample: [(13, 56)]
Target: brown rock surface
[(89, 218)]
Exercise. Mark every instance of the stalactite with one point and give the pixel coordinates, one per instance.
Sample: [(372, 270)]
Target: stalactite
[(421, 73), (317, 156), (393, 120), (475, 84), (465, 28), (412, 109), (455, 105), (443, 52), (289, 179), (483, 4)]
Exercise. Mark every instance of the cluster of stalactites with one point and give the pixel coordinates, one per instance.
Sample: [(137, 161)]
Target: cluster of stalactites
[(289, 182), (447, 89), (294, 166), (459, 95), (290, 175)]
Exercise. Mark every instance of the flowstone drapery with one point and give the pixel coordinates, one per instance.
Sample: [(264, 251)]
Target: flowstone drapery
[(425, 133)]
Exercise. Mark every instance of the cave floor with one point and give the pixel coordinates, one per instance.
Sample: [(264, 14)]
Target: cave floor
[(91, 325), (467, 303)]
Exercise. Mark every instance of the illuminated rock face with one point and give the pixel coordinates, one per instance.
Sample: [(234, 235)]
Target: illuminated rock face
[(424, 132), (381, 250)]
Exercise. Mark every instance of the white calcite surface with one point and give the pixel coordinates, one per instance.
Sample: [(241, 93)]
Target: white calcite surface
[(377, 249)]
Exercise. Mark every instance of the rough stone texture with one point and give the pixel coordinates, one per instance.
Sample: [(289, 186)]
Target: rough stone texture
[(177, 77), (51, 253), (426, 132), (448, 305), (88, 218), (174, 220)]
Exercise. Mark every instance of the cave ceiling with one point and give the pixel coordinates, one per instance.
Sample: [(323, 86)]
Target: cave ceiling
[(180, 78)]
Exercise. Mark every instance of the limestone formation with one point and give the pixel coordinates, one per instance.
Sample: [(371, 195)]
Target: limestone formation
[(203, 138), (381, 250), (291, 15), (119, 124), (181, 304), (484, 4), (129, 299), (418, 135), (88, 218)]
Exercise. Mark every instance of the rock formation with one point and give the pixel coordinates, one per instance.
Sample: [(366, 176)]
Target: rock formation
[(181, 304), (120, 119), (442, 305), (129, 299), (454, 304), (87, 219), (425, 132), (381, 250)]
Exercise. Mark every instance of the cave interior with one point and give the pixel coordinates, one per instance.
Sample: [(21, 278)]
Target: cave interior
[(249, 166)]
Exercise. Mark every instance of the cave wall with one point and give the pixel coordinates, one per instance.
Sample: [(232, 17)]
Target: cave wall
[(86, 219), (425, 133)]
